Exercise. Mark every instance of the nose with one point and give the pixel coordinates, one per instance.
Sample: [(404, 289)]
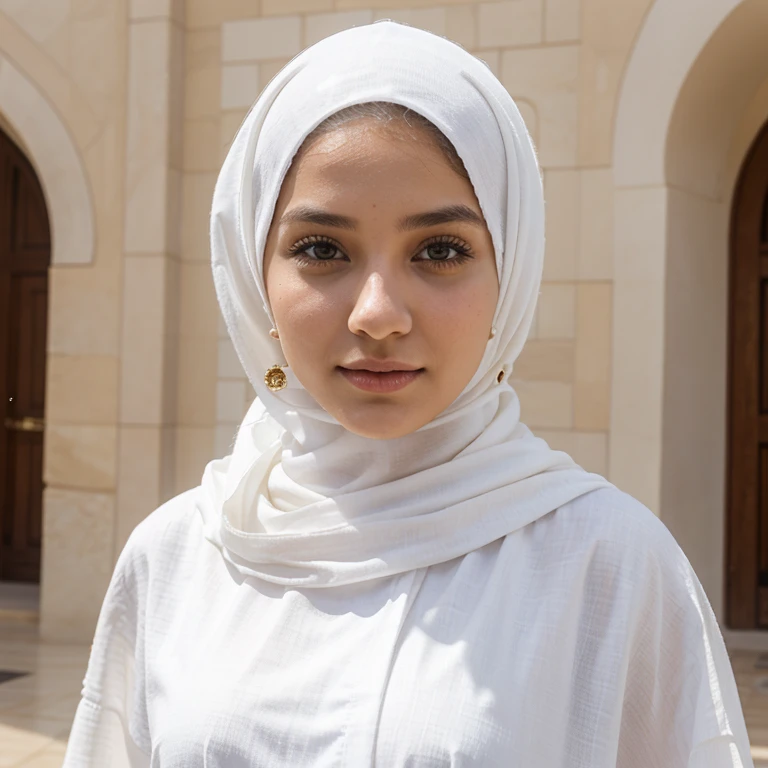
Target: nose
[(380, 309)]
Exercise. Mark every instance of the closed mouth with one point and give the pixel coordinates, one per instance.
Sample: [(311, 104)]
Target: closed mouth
[(380, 381)]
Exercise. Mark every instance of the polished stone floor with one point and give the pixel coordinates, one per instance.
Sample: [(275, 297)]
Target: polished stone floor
[(36, 709)]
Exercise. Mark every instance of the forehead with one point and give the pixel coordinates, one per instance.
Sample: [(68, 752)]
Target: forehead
[(367, 158)]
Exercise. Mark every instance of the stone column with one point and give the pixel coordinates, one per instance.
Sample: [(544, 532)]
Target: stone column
[(149, 334)]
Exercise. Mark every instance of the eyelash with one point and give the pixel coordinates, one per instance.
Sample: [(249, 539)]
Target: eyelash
[(463, 251)]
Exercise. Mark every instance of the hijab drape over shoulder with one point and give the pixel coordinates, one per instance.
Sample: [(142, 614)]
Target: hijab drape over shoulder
[(303, 501)]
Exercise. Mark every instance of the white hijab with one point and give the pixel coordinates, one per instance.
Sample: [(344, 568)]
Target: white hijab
[(302, 501)]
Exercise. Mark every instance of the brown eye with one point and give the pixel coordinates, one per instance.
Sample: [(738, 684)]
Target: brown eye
[(315, 250), (322, 251), (439, 251), (444, 252)]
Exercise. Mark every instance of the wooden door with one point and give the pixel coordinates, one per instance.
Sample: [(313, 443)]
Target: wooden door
[(747, 508), (25, 254)]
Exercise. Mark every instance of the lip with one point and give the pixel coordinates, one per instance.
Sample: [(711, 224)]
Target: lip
[(380, 366), (381, 376)]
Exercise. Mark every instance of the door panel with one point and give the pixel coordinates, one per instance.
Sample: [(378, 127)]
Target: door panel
[(24, 261), (747, 513)]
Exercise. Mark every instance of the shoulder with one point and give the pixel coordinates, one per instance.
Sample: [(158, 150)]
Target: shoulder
[(614, 521), (615, 544), (165, 534), (622, 566), (172, 518)]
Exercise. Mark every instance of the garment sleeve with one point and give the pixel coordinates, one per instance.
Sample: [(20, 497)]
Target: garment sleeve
[(681, 705), (109, 727)]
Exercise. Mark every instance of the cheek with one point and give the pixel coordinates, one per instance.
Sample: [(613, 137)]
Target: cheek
[(308, 319), (459, 320)]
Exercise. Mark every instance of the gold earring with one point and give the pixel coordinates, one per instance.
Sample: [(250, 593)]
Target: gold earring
[(274, 334), (275, 378)]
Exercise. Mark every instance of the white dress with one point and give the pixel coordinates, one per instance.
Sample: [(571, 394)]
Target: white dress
[(582, 640)]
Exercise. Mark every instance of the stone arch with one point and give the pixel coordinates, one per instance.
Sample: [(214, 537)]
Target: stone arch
[(694, 72), (51, 150)]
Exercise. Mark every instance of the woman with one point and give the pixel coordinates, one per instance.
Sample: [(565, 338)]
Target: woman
[(390, 569)]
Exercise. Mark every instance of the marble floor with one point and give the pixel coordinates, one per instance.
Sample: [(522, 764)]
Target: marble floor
[(36, 709), (19, 602)]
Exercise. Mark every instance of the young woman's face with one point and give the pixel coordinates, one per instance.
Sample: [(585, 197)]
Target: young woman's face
[(381, 275)]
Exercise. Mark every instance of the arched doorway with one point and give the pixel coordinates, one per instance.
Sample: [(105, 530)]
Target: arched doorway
[(676, 161), (747, 510), (25, 255)]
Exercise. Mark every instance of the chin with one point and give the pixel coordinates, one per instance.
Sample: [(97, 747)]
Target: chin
[(380, 426), (378, 432)]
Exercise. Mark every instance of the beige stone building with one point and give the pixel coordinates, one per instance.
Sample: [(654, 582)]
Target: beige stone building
[(117, 379)]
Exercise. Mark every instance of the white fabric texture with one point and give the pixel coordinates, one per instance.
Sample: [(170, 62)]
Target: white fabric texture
[(582, 640), (462, 596)]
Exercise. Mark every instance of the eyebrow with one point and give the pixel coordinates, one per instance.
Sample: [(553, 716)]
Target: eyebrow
[(441, 216), (307, 215)]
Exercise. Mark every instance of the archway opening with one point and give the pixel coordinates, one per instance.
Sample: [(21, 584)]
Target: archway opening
[(694, 96), (710, 108)]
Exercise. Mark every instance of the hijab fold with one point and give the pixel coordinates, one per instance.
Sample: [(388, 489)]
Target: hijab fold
[(302, 501)]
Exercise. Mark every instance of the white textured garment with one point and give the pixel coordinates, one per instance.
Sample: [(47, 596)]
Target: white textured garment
[(461, 596), (582, 640)]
